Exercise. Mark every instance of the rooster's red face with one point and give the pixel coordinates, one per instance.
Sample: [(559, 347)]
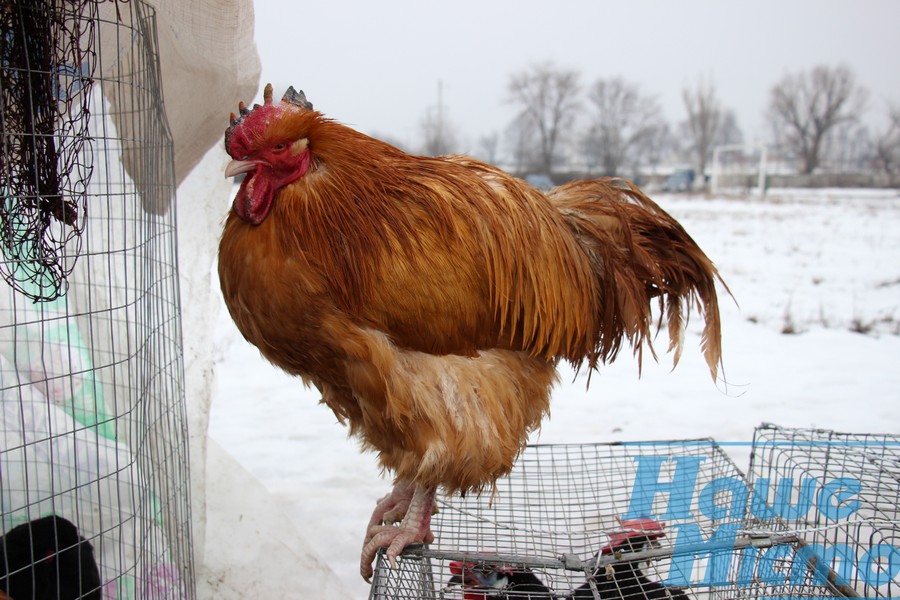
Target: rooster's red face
[(645, 529), (270, 144), (481, 582)]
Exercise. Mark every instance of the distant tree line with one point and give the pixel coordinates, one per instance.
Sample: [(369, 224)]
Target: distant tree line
[(613, 126)]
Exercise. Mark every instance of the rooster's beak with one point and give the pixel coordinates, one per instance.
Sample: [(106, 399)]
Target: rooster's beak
[(236, 167)]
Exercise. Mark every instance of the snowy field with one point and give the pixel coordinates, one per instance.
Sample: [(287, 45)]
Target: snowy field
[(813, 339)]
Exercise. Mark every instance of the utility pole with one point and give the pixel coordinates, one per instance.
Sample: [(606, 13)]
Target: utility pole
[(440, 110)]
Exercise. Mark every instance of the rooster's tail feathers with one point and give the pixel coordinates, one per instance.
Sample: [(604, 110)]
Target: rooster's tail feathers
[(640, 253)]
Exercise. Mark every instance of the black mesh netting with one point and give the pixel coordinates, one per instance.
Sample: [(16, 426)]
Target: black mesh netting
[(46, 72)]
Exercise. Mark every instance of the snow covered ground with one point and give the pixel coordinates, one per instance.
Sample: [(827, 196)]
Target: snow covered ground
[(813, 339)]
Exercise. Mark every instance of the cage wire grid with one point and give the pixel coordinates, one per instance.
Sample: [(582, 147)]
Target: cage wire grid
[(868, 466), (562, 503), (91, 373)]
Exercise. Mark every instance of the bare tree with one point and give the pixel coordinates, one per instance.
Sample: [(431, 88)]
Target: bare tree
[(548, 96), (488, 147), (852, 147), (660, 145), (704, 122), (805, 107), (623, 123), (438, 132), (729, 131), (520, 136), (887, 146)]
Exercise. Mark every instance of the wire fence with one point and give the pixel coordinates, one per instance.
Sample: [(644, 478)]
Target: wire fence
[(91, 374)]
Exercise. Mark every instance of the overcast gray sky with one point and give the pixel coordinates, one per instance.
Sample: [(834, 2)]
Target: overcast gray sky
[(376, 65)]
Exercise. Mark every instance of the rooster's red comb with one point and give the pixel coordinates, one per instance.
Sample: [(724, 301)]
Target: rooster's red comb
[(634, 528), (291, 97)]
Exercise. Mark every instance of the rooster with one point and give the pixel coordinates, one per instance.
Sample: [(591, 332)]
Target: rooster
[(47, 558), (625, 580), (503, 581), (430, 300), (614, 581)]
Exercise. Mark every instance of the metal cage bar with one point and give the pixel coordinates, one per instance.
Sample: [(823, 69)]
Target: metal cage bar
[(555, 513)]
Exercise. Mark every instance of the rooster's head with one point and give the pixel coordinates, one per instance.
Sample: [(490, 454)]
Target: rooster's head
[(633, 534), (270, 145)]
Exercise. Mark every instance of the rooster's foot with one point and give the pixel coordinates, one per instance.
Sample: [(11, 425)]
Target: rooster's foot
[(415, 504)]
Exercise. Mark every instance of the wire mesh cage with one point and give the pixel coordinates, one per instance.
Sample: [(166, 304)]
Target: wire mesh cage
[(628, 520), (94, 496), (841, 492)]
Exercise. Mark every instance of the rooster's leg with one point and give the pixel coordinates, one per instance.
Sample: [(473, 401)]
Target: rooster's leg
[(412, 502)]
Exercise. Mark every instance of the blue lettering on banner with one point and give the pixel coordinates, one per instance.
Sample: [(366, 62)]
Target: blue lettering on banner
[(726, 501)]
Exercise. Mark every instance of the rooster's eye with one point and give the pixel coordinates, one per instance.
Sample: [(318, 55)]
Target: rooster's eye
[(280, 147)]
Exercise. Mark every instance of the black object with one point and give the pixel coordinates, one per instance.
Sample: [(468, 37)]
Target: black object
[(46, 559)]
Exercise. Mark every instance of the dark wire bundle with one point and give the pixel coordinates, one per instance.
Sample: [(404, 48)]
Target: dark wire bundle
[(47, 60)]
